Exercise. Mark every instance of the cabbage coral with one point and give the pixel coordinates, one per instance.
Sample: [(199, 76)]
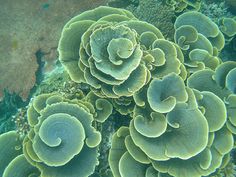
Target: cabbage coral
[(221, 82), (190, 140), (13, 162), (19, 167), (228, 26), (114, 52), (62, 141), (156, 141), (179, 99), (181, 5), (9, 139), (200, 38)]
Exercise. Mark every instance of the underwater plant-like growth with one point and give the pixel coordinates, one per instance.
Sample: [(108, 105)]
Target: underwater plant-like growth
[(179, 99), (61, 138), (114, 52), (200, 38), (61, 141), (180, 5)]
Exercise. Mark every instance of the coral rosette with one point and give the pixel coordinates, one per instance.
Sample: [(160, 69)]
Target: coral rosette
[(62, 141), (180, 98), (115, 53)]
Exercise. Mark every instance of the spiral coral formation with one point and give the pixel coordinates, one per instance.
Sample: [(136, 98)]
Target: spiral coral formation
[(114, 52), (180, 96)]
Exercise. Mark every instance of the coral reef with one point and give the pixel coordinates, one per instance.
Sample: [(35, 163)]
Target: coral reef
[(227, 168), (218, 11), (113, 71), (201, 43), (26, 27), (9, 106), (158, 13), (56, 152), (19, 167), (158, 141), (53, 81), (20, 120), (181, 5), (60, 139), (123, 3), (215, 10), (228, 27), (9, 142), (163, 96), (232, 5), (130, 102)]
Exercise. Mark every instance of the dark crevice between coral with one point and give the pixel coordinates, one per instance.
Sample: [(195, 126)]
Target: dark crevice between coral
[(38, 74), (9, 107), (107, 129), (229, 51)]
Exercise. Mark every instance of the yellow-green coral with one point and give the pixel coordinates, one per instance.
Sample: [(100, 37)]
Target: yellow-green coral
[(61, 141), (116, 53), (10, 147), (228, 27), (13, 162), (200, 38), (190, 140), (181, 5), (61, 137), (178, 100), (19, 167)]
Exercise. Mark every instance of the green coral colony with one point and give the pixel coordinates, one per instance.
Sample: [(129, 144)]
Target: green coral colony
[(180, 96)]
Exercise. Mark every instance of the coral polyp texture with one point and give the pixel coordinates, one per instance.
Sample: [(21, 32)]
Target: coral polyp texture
[(181, 5), (178, 99)]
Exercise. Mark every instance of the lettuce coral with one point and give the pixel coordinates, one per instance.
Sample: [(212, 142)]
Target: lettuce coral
[(181, 5), (9, 139), (201, 40), (62, 141), (19, 167), (179, 99), (13, 162), (190, 140), (111, 70), (221, 82), (169, 152), (228, 27)]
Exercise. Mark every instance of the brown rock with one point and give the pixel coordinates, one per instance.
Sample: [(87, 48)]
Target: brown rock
[(27, 26)]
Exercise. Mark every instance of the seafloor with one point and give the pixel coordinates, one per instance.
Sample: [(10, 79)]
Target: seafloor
[(30, 31)]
